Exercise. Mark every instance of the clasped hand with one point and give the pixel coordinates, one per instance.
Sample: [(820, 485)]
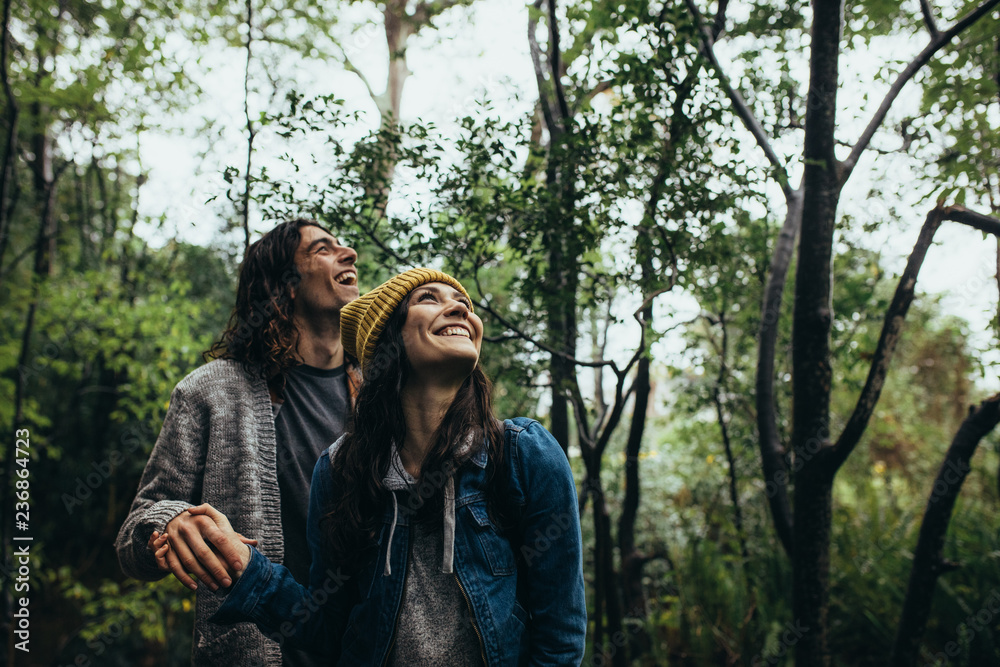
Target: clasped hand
[(201, 541)]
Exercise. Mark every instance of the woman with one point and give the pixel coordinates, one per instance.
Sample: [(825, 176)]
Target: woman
[(438, 534)]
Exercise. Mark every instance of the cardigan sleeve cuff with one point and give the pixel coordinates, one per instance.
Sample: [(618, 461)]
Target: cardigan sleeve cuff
[(163, 512)]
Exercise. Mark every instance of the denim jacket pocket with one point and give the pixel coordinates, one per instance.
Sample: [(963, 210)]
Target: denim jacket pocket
[(497, 549)]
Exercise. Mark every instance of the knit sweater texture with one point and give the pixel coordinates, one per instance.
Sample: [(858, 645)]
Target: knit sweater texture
[(217, 446)]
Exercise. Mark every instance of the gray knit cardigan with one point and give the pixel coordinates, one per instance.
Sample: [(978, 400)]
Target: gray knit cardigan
[(216, 446)]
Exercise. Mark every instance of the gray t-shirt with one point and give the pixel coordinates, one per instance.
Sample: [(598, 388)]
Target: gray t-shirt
[(312, 416)]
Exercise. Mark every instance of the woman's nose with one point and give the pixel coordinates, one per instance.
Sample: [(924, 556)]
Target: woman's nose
[(458, 308)]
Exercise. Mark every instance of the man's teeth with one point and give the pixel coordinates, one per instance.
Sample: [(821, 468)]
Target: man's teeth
[(347, 279), (455, 331)]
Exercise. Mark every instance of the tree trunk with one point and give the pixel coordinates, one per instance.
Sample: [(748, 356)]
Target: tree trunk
[(720, 414), (560, 369), (632, 562), (772, 452), (397, 31), (44, 247), (811, 342), (7, 169), (811, 563), (635, 601), (928, 557), (607, 589), (245, 213)]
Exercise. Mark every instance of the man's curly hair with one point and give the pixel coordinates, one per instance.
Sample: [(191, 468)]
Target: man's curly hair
[(261, 334)]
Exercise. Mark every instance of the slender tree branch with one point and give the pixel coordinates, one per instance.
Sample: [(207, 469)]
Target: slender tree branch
[(637, 315), (879, 151), (17, 260), (895, 316), (250, 129), (502, 338), (599, 342), (582, 423), (619, 404), (381, 245), (719, 25), (772, 452), (925, 9), (619, 407), (518, 333), (350, 67), (938, 41), (616, 413), (555, 64), (536, 61), (983, 223), (734, 496), (882, 357), (739, 104)]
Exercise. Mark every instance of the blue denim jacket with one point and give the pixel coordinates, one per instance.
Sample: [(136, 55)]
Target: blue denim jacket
[(527, 612)]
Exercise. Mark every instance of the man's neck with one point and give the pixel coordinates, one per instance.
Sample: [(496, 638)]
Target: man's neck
[(319, 344)]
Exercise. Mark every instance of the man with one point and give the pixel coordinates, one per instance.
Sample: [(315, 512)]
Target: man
[(244, 431)]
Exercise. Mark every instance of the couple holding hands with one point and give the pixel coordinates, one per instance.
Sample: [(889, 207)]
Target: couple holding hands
[(428, 533)]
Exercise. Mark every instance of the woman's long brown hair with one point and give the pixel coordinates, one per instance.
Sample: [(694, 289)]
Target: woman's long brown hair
[(362, 460)]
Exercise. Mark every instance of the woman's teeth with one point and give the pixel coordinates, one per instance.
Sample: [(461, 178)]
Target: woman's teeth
[(455, 331)]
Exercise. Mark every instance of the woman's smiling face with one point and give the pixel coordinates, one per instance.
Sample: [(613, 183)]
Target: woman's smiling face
[(441, 335)]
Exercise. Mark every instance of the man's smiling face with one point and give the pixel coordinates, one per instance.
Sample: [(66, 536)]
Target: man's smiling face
[(329, 280)]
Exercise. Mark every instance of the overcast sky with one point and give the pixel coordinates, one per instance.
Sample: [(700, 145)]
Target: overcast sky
[(482, 51)]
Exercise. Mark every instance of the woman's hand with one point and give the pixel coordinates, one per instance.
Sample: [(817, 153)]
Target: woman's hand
[(159, 544)]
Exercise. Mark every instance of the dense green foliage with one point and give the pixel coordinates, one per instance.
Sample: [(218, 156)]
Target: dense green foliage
[(640, 193)]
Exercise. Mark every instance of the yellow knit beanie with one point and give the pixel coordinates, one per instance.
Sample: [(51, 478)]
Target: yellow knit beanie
[(362, 320)]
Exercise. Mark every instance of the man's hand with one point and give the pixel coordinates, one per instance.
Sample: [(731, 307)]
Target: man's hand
[(202, 542), (160, 545)]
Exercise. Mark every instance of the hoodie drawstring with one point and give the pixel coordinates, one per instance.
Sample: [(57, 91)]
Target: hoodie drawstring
[(392, 529), (448, 560)]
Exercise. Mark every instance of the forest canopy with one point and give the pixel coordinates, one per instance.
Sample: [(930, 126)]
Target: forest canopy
[(742, 259)]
